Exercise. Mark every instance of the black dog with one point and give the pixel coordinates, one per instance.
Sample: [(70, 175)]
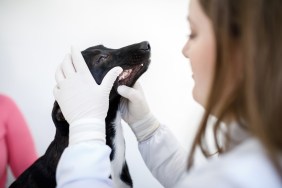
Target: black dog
[(134, 60)]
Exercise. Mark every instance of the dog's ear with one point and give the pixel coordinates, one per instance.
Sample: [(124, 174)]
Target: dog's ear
[(59, 120)]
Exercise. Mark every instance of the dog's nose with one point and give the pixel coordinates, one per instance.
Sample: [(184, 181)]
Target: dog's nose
[(145, 46)]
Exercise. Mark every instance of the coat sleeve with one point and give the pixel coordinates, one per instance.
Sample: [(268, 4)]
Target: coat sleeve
[(245, 166), (85, 165), (164, 156)]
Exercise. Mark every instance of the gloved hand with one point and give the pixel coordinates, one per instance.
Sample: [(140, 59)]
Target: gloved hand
[(83, 102), (135, 111)]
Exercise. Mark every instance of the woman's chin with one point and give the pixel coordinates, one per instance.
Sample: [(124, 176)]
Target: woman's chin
[(198, 97)]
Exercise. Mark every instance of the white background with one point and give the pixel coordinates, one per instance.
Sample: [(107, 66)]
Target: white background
[(36, 34)]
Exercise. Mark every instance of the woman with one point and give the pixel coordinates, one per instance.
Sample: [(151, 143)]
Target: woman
[(17, 147), (235, 52)]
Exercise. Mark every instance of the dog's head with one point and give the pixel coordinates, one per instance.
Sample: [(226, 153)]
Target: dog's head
[(134, 60)]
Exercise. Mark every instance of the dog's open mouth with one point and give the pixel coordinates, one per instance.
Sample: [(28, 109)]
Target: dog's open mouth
[(130, 74)]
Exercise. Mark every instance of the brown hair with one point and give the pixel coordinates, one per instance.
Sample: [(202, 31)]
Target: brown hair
[(254, 29)]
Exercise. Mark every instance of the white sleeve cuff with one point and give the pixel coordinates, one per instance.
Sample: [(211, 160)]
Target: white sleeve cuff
[(87, 130), (145, 128)]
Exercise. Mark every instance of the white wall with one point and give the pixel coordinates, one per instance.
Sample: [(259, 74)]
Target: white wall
[(36, 34)]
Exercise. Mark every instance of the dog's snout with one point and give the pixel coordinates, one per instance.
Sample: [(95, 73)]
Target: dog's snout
[(145, 46)]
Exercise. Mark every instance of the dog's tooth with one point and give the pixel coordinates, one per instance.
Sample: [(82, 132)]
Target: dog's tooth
[(142, 65)]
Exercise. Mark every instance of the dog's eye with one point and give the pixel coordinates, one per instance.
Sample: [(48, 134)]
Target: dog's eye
[(102, 58)]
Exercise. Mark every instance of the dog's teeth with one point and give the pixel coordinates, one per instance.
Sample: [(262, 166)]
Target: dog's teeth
[(142, 65)]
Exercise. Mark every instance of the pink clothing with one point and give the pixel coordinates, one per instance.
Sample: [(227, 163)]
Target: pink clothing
[(17, 149)]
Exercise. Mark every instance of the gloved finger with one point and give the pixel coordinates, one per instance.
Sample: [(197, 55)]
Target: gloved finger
[(59, 75), (67, 66), (138, 87), (78, 61), (110, 77), (127, 92)]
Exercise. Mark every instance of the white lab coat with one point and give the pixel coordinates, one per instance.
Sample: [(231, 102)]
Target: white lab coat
[(245, 166)]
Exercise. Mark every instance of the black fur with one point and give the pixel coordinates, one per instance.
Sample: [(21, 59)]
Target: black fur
[(125, 175), (99, 59)]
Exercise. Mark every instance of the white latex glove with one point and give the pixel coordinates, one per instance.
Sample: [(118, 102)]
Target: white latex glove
[(135, 111), (83, 102)]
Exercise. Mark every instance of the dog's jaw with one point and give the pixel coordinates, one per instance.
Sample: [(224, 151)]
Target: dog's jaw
[(130, 75)]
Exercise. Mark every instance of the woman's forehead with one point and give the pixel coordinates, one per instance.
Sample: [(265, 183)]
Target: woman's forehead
[(196, 15)]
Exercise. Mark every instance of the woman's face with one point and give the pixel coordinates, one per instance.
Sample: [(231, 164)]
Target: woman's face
[(200, 49)]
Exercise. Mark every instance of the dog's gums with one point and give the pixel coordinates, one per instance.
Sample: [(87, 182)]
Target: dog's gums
[(124, 74)]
